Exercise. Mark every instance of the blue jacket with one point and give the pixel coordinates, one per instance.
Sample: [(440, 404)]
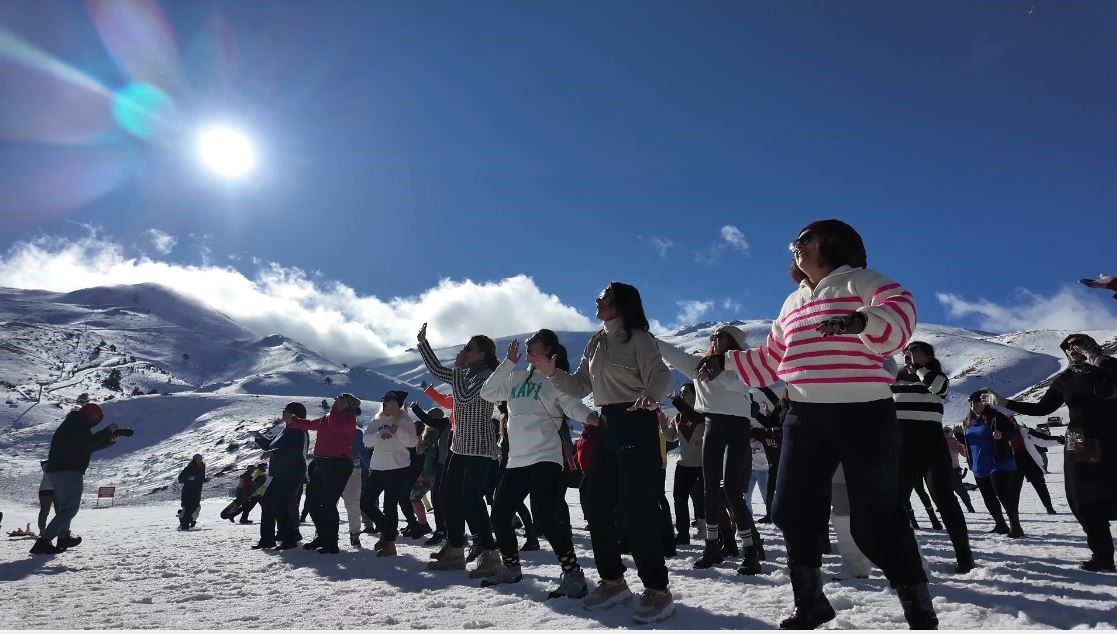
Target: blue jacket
[(988, 455), (288, 460)]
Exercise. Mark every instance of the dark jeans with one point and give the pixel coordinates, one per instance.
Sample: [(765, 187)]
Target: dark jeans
[(688, 486), (625, 467), (189, 505), (923, 451), (727, 442), (279, 510), (997, 489), (395, 484), (1027, 469), (864, 439), (1092, 499), (436, 501), (463, 496), (544, 483), (960, 487), (329, 479), (666, 534)]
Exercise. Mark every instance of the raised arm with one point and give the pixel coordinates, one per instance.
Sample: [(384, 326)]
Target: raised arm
[(1051, 401), (445, 401), (890, 317), (936, 382), (430, 421), (685, 362), (498, 387), (758, 367), (579, 383), (434, 366), (309, 425)]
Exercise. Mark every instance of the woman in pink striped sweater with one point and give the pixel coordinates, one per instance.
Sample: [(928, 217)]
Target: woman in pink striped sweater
[(828, 345)]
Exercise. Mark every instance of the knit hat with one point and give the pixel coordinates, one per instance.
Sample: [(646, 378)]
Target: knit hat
[(735, 333), (92, 413), (296, 408), (436, 412), (197, 456), (399, 396)]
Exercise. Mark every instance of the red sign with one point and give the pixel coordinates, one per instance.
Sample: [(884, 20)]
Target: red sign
[(106, 492)]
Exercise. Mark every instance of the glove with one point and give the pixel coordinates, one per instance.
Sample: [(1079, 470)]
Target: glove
[(852, 324)]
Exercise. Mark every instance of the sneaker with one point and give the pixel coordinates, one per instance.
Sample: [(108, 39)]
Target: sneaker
[(607, 593), (68, 541), (506, 574), (654, 605), (44, 547), (1090, 565), (313, 544), (571, 584), (387, 550), (532, 543), (474, 552), (370, 530), (488, 564), (450, 559), (711, 556), (355, 540), (287, 546), (419, 531), (1001, 529), (436, 539), (750, 565), (263, 544), (329, 549), (441, 552), (767, 519)]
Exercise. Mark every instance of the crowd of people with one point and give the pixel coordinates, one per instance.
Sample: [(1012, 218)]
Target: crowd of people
[(817, 421)]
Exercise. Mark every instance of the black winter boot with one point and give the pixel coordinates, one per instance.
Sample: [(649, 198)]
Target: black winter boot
[(916, 601), (811, 607), (751, 563), (711, 556)]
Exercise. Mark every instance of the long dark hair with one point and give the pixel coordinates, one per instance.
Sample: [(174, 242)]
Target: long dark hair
[(550, 341), (627, 301), (928, 350), (488, 346), (838, 245)]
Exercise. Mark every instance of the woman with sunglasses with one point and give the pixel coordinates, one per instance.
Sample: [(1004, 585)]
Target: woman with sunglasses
[(919, 391), (828, 345), (474, 450), (726, 446), (1089, 390), (623, 369), (333, 464)]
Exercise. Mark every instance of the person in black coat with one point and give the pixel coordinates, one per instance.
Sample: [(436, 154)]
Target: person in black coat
[(71, 448), (1089, 390), (279, 506), (191, 479)]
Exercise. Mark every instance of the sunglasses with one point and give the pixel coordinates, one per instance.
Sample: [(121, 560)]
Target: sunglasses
[(801, 241), (716, 336)]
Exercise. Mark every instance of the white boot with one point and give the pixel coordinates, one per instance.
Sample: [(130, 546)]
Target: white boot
[(855, 565)]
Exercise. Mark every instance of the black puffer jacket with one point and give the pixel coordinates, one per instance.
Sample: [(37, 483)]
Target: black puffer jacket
[(74, 443)]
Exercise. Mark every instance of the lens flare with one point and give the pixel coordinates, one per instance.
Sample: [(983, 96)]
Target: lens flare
[(140, 108)]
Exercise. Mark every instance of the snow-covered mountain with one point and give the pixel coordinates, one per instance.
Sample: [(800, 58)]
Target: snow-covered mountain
[(189, 379)]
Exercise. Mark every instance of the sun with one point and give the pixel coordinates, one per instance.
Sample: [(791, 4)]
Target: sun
[(226, 151)]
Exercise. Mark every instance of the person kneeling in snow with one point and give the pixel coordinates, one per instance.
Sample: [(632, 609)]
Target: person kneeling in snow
[(70, 450), (191, 480)]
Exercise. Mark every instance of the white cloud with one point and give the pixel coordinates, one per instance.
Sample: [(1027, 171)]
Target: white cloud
[(731, 238), (1068, 309), (326, 315), (730, 304), (691, 311), (661, 245), (735, 239), (161, 240)]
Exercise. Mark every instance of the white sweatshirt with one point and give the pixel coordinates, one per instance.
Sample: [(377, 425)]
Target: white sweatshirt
[(726, 394), (535, 410), (391, 453)]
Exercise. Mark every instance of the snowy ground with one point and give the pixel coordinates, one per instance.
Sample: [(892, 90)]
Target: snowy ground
[(136, 571)]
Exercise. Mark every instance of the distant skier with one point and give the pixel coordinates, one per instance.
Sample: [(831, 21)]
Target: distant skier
[(191, 479), (1103, 281), (71, 447)]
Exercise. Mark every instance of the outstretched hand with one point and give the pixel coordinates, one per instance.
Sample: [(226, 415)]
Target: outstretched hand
[(514, 351), (852, 324), (422, 336), (643, 402), (710, 367)]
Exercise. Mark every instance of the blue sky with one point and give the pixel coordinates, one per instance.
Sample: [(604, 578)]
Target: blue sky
[(406, 143)]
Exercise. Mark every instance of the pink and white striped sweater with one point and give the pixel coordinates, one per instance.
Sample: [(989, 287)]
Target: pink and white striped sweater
[(838, 369)]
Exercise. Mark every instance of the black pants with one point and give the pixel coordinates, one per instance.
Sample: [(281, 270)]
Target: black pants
[(311, 492), (189, 505), (279, 511), (1092, 499), (436, 501), (666, 533), (999, 489), (463, 496), (395, 484), (1027, 469), (923, 451), (773, 456), (625, 465), (863, 438), (329, 479), (688, 486), (543, 481), (727, 442), (960, 487), (413, 472)]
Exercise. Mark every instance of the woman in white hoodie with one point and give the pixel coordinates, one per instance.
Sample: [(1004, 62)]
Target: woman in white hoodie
[(536, 412), (390, 435), (726, 447)]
